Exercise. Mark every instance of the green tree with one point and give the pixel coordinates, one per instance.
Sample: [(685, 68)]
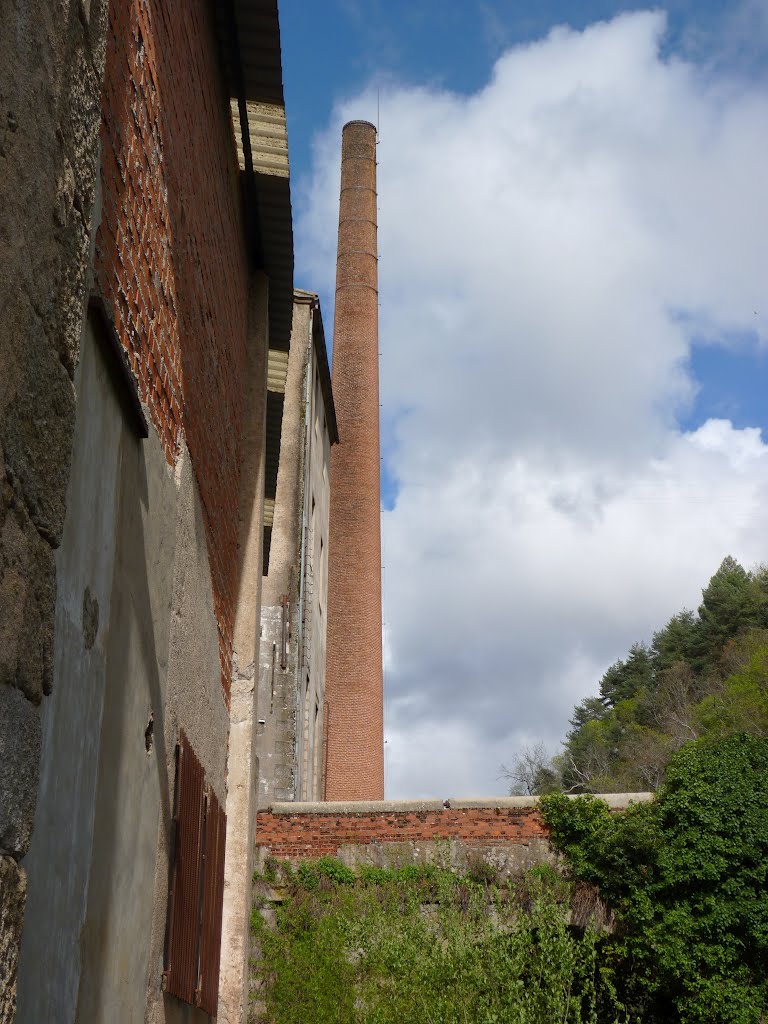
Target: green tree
[(675, 642), (591, 709), (741, 704), (733, 601), (533, 772), (626, 679)]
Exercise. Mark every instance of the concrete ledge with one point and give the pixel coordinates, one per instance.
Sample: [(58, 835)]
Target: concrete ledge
[(355, 806), (617, 801), (490, 802)]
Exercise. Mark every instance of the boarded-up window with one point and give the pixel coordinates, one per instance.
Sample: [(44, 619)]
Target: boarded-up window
[(193, 939)]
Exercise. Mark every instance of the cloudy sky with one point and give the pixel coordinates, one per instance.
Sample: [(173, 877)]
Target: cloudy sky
[(574, 330)]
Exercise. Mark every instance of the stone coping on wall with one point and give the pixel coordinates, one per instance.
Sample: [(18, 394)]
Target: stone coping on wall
[(616, 801)]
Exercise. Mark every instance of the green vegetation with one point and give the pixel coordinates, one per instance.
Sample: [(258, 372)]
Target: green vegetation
[(687, 876), (422, 945), (658, 915), (703, 676)]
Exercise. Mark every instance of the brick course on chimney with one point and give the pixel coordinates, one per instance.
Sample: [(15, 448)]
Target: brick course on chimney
[(354, 678)]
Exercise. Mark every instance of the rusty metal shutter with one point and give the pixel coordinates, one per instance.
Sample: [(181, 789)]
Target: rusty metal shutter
[(182, 939), (213, 898)]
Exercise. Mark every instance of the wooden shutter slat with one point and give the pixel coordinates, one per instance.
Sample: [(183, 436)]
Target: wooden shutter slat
[(181, 969), (213, 898)]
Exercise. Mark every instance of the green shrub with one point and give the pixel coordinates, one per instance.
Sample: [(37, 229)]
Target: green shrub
[(420, 944), (688, 878), (313, 873)]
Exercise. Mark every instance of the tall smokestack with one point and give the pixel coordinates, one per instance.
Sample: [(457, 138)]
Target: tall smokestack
[(354, 676)]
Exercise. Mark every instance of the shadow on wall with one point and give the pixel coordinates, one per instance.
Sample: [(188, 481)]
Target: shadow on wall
[(133, 772)]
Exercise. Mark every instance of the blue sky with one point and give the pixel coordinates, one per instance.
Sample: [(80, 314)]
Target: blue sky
[(574, 335), (334, 49)]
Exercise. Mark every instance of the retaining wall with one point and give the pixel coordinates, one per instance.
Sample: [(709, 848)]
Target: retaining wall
[(508, 831)]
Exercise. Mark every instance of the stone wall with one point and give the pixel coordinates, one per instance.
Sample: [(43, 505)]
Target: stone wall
[(293, 636), (51, 65)]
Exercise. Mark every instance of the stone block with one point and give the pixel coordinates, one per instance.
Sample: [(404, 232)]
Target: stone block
[(20, 741), (13, 897), (27, 600), (37, 428)]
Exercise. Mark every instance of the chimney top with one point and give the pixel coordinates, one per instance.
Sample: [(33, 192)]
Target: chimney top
[(368, 124)]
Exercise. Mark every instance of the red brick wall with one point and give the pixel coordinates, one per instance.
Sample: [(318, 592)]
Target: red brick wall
[(317, 834), (171, 256), (353, 676)]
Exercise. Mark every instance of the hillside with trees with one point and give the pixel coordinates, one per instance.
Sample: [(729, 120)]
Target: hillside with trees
[(704, 675)]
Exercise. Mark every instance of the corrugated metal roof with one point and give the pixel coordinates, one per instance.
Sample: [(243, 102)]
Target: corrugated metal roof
[(249, 34), (269, 512), (277, 370)]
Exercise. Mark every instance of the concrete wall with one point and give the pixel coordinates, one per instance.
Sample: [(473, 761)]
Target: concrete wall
[(136, 659), (289, 733), (505, 832), (243, 761), (51, 64), (310, 749)]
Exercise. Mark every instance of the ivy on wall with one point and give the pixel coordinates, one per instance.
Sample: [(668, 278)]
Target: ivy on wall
[(422, 944)]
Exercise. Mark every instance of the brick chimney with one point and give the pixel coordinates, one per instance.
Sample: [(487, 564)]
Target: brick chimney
[(354, 677)]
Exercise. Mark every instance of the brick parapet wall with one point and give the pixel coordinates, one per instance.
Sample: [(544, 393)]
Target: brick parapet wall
[(291, 836), (295, 831), (171, 258)]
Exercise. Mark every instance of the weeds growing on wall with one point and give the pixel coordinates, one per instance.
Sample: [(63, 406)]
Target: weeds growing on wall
[(423, 945)]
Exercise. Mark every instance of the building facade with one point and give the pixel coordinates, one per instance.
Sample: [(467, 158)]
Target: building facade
[(146, 274), (291, 698)]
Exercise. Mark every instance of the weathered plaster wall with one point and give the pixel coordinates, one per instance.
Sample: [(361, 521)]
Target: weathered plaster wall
[(243, 760), (506, 832), (314, 597), (59, 859), (289, 738), (276, 704), (51, 64), (194, 701), (136, 643)]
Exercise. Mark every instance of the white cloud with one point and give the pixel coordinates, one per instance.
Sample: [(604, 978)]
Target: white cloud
[(546, 247)]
